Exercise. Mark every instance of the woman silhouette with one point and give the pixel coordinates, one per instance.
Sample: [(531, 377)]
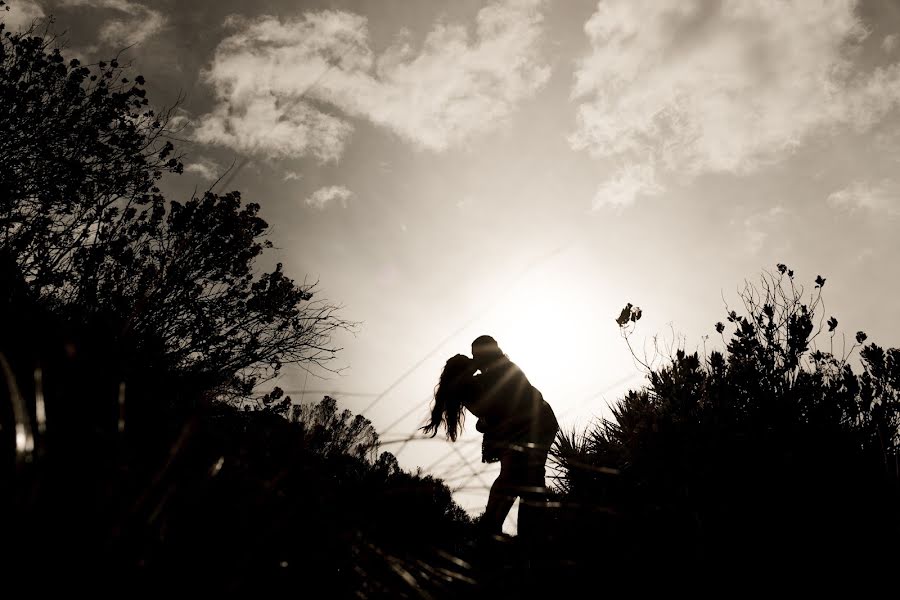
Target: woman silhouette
[(518, 427)]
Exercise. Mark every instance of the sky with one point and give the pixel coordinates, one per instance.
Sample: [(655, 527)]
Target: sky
[(523, 168)]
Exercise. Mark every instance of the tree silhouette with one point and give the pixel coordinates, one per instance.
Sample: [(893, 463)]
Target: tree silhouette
[(81, 214), (106, 282)]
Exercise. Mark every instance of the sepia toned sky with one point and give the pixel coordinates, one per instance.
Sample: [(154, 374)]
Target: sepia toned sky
[(523, 168)]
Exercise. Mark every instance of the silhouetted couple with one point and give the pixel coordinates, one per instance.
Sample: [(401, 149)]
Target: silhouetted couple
[(518, 427)]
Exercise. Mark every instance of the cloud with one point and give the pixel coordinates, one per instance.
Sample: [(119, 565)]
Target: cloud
[(758, 226), (206, 168), (729, 86), (889, 43), (137, 23), (268, 126), (292, 176), (623, 189), (286, 87), (880, 198), (180, 120), (21, 14), (322, 197)]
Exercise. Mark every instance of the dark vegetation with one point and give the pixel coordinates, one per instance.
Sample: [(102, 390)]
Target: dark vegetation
[(772, 456), (133, 327), (192, 492)]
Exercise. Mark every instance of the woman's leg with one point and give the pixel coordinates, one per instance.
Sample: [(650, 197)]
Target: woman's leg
[(503, 494)]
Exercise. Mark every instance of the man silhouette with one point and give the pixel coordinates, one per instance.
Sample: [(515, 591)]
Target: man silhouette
[(519, 428)]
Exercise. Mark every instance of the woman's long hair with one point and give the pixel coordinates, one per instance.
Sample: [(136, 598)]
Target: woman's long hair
[(449, 397)]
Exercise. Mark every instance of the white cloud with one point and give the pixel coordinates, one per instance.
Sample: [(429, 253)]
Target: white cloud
[(275, 128), (122, 32), (292, 176), (322, 197), (758, 226), (206, 168), (21, 14), (728, 86), (272, 78), (179, 121), (889, 43), (623, 189), (137, 24), (880, 198)]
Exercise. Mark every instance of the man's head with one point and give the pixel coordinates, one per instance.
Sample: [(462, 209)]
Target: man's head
[(485, 351)]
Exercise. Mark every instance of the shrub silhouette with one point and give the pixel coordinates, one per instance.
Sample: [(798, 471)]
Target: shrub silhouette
[(328, 430), (262, 503), (771, 453)]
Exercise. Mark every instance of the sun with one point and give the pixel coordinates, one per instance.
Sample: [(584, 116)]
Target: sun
[(552, 327)]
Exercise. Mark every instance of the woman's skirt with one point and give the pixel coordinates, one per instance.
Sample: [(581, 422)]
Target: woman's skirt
[(526, 434)]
